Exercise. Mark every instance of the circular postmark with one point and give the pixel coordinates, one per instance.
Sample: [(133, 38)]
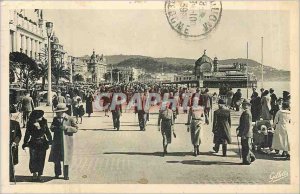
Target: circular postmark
[(193, 19)]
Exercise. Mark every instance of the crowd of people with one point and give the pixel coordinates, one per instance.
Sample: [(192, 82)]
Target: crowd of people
[(264, 122)]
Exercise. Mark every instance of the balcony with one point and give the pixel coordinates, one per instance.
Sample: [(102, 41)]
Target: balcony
[(28, 25)]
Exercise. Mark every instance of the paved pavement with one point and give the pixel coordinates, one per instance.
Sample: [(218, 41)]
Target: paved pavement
[(129, 156)]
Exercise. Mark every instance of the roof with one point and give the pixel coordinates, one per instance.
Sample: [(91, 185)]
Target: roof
[(203, 59)]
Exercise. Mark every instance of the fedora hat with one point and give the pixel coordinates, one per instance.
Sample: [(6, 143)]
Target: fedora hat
[(246, 102), (61, 107)]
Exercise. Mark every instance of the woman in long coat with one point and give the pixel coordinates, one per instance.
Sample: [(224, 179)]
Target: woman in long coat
[(195, 123), (89, 103), (221, 127), (37, 138), (266, 106), (282, 128), (63, 127), (255, 107)]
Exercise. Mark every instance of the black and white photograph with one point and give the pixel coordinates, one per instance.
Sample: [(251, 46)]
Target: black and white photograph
[(150, 93)]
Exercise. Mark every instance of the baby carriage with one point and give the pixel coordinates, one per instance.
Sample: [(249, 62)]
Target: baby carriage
[(262, 135)]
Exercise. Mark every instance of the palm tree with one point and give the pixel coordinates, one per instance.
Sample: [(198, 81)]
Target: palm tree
[(24, 68)]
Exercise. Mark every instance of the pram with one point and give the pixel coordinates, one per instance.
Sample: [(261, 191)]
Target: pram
[(262, 135)]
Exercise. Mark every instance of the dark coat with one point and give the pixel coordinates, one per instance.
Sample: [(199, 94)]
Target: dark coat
[(89, 104), (36, 138), (255, 108), (38, 141), (245, 126), (221, 126), (15, 136)]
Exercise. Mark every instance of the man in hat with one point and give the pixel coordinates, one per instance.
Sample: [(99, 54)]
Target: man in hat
[(63, 127), (116, 111), (140, 110), (60, 98), (274, 105), (221, 127), (166, 125), (244, 131), (207, 104), (27, 107), (15, 137)]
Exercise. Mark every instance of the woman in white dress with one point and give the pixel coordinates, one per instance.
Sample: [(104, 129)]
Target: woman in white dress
[(282, 124)]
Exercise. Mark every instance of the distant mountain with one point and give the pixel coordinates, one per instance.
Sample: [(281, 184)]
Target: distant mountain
[(177, 65)]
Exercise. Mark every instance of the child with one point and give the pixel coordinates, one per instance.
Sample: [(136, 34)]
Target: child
[(79, 110)]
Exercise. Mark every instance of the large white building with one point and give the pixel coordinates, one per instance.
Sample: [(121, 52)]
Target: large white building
[(27, 32)]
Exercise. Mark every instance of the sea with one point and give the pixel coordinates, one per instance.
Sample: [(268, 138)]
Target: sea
[(278, 86)]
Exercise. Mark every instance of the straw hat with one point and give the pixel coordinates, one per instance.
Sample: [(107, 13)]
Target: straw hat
[(246, 102), (62, 107)]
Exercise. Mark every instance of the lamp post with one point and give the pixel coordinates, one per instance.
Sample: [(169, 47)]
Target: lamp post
[(49, 27)]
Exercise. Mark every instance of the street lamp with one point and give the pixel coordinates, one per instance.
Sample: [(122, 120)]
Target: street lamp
[(49, 28)]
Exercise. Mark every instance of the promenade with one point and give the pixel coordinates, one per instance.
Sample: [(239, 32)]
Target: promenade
[(103, 155)]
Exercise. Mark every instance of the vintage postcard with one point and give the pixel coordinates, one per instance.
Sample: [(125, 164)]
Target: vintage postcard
[(149, 96)]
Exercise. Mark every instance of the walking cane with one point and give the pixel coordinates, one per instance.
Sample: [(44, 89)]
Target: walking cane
[(237, 137), (12, 163)]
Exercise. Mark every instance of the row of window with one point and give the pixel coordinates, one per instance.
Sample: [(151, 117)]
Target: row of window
[(182, 78)]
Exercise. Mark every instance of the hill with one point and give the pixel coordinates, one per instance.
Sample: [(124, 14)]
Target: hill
[(177, 65)]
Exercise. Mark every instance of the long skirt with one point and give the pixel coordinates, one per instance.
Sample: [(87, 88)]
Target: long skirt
[(37, 160), (166, 132), (280, 140), (195, 135)]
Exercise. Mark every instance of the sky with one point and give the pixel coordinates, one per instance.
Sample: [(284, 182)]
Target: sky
[(148, 33)]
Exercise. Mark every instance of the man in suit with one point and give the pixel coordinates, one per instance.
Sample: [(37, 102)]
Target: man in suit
[(15, 137), (63, 127), (244, 131), (116, 110), (27, 107), (207, 104), (221, 127)]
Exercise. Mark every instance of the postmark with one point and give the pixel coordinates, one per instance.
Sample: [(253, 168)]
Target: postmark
[(193, 19)]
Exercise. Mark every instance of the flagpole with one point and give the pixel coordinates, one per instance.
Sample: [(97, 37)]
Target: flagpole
[(262, 61), (247, 74)]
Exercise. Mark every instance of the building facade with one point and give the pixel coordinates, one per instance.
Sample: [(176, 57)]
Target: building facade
[(96, 66), (27, 32)]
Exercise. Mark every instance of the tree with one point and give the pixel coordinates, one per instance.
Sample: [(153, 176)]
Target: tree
[(78, 77), (24, 68)]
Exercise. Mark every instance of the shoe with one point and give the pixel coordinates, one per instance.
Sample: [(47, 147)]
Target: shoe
[(56, 177), (118, 129), (215, 149), (66, 178), (34, 176), (246, 163), (39, 179), (252, 158), (288, 156), (198, 152), (283, 154)]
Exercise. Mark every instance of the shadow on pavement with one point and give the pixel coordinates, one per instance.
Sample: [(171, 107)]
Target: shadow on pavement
[(199, 162), (152, 153), (108, 129), (20, 178)]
